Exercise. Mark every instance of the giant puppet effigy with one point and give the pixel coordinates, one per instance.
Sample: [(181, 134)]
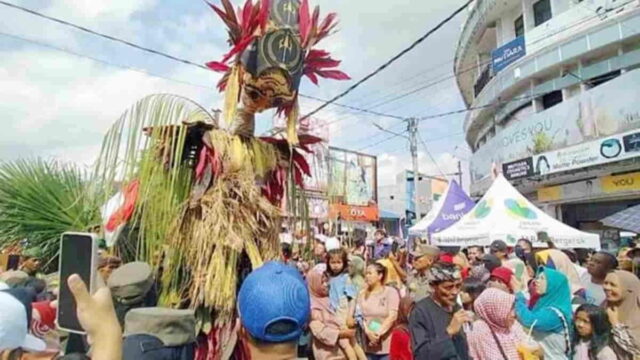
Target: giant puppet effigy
[(200, 196)]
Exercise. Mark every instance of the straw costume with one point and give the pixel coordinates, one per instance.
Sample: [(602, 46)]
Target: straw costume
[(202, 198)]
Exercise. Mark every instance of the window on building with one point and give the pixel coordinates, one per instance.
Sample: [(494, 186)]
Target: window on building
[(599, 80), (519, 26), (551, 99), (542, 11)]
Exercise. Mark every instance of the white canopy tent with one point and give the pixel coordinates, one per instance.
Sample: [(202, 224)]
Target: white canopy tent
[(505, 214)]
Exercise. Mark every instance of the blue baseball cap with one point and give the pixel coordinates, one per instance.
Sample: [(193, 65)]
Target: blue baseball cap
[(274, 303)]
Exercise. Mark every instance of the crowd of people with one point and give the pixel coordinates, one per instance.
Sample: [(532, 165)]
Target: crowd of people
[(389, 300), (496, 303)]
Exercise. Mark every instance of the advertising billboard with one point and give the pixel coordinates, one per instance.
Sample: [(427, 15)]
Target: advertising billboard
[(352, 177), (590, 153), (318, 159), (609, 109)]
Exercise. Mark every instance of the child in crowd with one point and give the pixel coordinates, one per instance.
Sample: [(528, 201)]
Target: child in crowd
[(342, 295), (471, 289), (591, 336)]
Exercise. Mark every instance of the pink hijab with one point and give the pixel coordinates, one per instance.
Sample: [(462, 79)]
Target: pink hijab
[(319, 293), (493, 306)]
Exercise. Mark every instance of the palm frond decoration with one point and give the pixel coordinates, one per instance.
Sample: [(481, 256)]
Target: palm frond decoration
[(150, 144), (168, 145), (41, 199)]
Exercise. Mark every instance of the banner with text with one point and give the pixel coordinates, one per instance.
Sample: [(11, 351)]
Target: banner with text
[(609, 109), (574, 157)]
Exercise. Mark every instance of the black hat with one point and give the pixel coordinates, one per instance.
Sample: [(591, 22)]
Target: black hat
[(498, 245)]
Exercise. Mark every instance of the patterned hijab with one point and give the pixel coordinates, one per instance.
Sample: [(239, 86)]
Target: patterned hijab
[(630, 305), (493, 306)]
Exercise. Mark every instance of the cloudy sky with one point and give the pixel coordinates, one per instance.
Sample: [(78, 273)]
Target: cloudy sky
[(57, 104)]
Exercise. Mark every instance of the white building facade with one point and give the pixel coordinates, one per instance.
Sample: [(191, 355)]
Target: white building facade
[(553, 88)]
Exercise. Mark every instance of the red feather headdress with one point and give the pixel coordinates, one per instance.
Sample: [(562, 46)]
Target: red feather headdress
[(249, 22)]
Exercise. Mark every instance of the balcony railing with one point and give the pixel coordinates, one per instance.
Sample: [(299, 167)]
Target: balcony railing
[(483, 80), (476, 14)]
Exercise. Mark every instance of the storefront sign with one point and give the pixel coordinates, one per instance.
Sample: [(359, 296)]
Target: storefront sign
[(578, 156), (588, 189), (518, 169), (618, 183), (508, 54), (354, 213), (597, 114)]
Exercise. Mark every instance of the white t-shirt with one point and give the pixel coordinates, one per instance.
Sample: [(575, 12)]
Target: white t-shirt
[(584, 275), (595, 293)]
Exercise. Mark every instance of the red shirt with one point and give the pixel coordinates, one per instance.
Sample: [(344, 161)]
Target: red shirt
[(400, 345)]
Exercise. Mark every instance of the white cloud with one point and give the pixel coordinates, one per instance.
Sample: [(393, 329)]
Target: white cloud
[(59, 105), (63, 105), (90, 10), (389, 165)]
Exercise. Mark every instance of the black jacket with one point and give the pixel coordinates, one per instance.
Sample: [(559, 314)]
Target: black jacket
[(429, 339)]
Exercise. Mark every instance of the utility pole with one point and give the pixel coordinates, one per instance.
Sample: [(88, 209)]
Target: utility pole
[(412, 129), (413, 145)]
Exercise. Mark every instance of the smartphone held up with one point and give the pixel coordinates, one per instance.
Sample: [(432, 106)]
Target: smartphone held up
[(78, 255)]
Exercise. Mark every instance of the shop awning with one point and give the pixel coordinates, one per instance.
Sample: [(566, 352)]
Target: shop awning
[(386, 214), (628, 219)]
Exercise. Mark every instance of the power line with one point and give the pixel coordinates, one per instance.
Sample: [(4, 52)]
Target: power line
[(143, 48), (391, 61), (125, 67), (471, 68), (528, 97), (426, 149), (145, 72), (421, 88), (188, 62), (104, 62), (495, 104), (354, 108), (332, 101), (102, 35), (393, 136)]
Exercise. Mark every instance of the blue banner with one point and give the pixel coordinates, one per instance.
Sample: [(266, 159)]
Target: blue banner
[(507, 54)]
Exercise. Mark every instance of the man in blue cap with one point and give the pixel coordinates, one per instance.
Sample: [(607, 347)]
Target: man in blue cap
[(274, 307)]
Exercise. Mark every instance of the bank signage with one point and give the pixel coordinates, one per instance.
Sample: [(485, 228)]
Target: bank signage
[(507, 54), (591, 153)]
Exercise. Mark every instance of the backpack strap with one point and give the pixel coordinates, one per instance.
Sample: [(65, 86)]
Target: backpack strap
[(495, 338), (565, 330)]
